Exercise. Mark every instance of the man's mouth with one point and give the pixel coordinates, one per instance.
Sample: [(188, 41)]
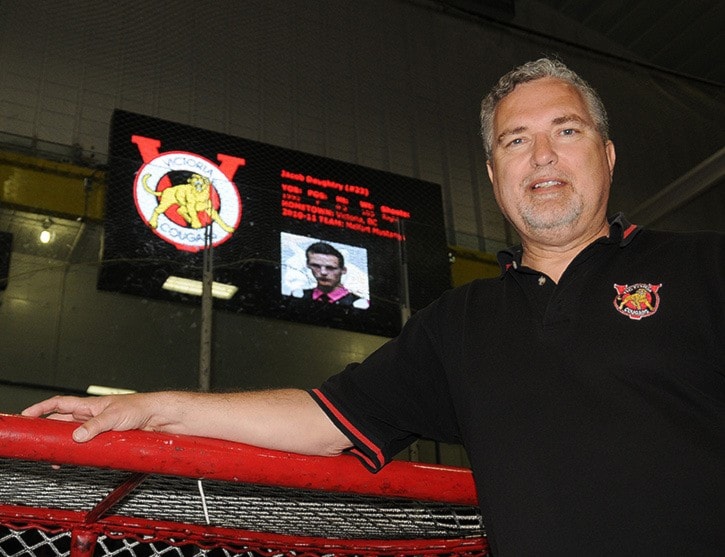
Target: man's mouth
[(545, 184)]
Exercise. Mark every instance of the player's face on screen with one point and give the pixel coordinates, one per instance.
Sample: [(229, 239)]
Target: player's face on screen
[(326, 270)]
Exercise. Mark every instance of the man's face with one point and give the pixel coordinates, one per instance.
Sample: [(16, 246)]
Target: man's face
[(326, 270), (549, 167)]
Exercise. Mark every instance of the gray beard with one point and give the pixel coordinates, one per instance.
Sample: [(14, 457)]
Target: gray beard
[(537, 219)]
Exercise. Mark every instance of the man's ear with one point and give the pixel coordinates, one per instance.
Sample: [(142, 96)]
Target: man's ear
[(611, 156), (489, 169)]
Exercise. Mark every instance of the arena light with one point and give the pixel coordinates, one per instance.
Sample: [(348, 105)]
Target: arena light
[(46, 235), (101, 390), (194, 287)]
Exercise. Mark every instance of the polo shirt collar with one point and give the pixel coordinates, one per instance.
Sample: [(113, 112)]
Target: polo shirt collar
[(332, 297), (621, 232)]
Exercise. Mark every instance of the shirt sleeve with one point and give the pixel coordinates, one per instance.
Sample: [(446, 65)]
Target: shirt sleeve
[(396, 395)]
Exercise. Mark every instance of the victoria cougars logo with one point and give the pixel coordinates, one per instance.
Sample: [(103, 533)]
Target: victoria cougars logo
[(178, 194), (637, 300)]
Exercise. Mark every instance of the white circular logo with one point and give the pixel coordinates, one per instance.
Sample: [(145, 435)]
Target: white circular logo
[(178, 211)]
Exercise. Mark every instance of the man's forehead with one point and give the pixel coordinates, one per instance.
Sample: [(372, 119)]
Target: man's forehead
[(571, 118), (323, 257), (541, 102)]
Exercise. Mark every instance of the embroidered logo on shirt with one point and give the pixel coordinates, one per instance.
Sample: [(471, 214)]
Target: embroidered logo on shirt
[(637, 300)]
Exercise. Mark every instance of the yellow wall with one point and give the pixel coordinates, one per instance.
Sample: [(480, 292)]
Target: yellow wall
[(469, 264), (54, 187)]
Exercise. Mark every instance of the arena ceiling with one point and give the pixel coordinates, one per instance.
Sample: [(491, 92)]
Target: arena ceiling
[(683, 36), (680, 36)]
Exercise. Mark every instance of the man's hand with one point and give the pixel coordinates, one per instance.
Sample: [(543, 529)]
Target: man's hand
[(99, 414)]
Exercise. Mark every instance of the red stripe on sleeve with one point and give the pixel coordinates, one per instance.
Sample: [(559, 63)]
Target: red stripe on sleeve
[(351, 428), (369, 462)]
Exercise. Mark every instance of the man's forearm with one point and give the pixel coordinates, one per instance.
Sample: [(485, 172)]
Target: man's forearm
[(284, 419)]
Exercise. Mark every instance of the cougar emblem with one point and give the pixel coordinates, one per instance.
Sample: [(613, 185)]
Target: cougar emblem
[(191, 198), (637, 301)]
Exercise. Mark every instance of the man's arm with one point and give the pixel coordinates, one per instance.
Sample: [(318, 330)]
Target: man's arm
[(284, 419)]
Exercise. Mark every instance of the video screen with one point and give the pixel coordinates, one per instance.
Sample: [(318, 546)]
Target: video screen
[(325, 272), (294, 235)]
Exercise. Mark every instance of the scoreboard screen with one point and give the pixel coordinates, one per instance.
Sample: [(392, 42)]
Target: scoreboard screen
[(299, 237)]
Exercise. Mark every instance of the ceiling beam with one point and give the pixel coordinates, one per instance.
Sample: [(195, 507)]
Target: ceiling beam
[(688, 186)]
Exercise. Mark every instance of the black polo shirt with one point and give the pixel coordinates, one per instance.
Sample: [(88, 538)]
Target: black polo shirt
[(592, 410)]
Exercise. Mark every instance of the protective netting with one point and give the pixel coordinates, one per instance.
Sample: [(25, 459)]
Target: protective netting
[(240, 131)]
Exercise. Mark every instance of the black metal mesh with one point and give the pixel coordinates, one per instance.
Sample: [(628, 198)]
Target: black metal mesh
[(236, 505), (38, 543), (17, 543)]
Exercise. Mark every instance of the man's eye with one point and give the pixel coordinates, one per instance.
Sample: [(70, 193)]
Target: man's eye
[(516, 141), (569, 131)]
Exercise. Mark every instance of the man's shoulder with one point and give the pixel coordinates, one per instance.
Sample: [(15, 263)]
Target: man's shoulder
[(348, 298)]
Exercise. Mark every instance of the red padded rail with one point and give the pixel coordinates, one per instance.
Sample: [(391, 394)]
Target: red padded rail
[(46, 440)]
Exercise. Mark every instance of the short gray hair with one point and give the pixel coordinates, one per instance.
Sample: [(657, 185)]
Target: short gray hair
[(531, 71)]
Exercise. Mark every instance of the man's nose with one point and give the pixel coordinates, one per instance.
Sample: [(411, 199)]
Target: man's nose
[(543, 152)]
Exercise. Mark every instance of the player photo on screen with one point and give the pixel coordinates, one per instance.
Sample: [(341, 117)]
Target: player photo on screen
[(324, 272)]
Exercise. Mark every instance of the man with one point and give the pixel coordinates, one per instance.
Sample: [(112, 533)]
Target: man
[(327, 266), (586, 382)]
